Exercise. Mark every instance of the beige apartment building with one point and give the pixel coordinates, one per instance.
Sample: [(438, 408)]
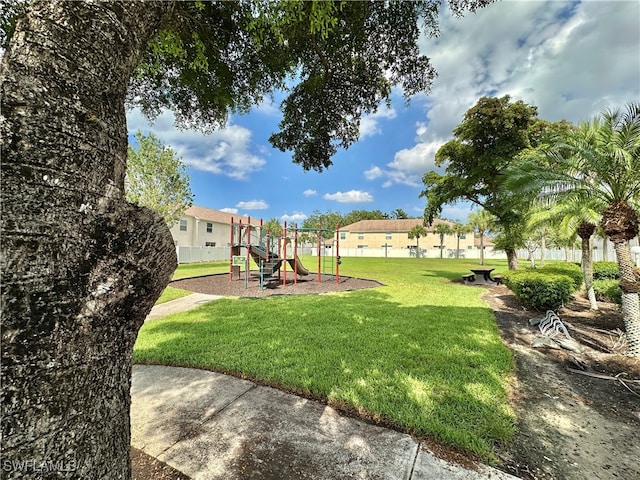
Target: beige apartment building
[(204, 227), (394, 234)]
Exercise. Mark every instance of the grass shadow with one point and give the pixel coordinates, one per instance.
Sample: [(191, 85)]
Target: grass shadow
[(432, 370)]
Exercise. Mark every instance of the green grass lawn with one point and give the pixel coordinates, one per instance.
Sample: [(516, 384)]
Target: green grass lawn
[(421, 353), (171, 293), (188, 270)]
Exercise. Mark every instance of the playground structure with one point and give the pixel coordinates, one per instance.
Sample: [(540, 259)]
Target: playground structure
[(272, 254)]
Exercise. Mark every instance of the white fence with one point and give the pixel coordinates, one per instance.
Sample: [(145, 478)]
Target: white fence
[(411, 253), (204, 254)]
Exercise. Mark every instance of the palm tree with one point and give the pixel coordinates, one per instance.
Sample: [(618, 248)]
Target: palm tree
[(480, 222), (600, 161), (460, 229), (441, 230), (571, 218), (416, 232)]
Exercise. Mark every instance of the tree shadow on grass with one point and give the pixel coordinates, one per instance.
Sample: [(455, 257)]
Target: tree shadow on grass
[(434, 371)]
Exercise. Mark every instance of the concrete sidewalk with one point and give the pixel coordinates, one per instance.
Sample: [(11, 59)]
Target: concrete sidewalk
[(180, 305), (213, 426)]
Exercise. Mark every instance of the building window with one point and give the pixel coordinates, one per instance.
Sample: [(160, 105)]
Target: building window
[(363, 246), (463, 237), (343, 236), (210, 228), (388, 236), (183, 225), (361, 236), (209, 244)]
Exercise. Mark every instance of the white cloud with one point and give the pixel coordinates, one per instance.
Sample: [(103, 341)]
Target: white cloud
[(555, 55), (373, 173), (457, 211), (309, 193), (409, 164), (224, 152), (570, 59), (253, 205), (268, 107), (416, 160), (352, 196), (229, 210), (369, 123), (294, 217)]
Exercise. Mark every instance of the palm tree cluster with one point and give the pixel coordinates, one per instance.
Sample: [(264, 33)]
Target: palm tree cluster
[(591, 174)]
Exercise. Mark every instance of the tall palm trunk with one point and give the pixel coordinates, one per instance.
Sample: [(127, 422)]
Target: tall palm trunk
[(620, 223), (605, 250), (630, 299), (81, 267), (585, 231)]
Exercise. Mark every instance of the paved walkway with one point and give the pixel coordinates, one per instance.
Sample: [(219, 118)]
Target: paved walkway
[(180, 305), (213, 426)]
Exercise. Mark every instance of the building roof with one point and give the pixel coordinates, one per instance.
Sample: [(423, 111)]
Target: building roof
[(213, 215), (390, 226), (487, 241)]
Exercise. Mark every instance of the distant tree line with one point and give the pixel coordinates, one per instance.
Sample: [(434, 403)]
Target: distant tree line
[(330, 220)]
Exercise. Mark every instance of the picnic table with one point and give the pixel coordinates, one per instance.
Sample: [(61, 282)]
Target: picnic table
[(483, 275)]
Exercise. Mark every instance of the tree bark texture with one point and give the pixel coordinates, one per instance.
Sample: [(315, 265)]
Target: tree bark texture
[(81, 268), (585, 231), (630, 296), (512, 259), (620, 224)]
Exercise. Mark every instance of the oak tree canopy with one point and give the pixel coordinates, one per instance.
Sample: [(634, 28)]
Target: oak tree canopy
[(81, 267)]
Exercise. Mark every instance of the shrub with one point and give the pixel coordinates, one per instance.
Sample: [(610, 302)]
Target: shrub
[(571, 270), (540, 290), (605, 271), (607, 290)]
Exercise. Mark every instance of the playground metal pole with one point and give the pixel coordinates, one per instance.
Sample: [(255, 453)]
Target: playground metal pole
[(284, 255), (279, 248), (267, 241), (231, 252), (337, 253), (319, 259), (248, 261), (295, 254)]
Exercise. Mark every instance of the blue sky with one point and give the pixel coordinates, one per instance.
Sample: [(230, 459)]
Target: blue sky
[(570, 59)]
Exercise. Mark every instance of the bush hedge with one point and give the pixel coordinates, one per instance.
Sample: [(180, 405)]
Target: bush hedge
[(540, 289), (608, 290), (571, 270), (605, 271)]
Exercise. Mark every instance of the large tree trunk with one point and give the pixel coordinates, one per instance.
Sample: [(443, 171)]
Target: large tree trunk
[(81, 268), (512, 259), (585, 230)]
